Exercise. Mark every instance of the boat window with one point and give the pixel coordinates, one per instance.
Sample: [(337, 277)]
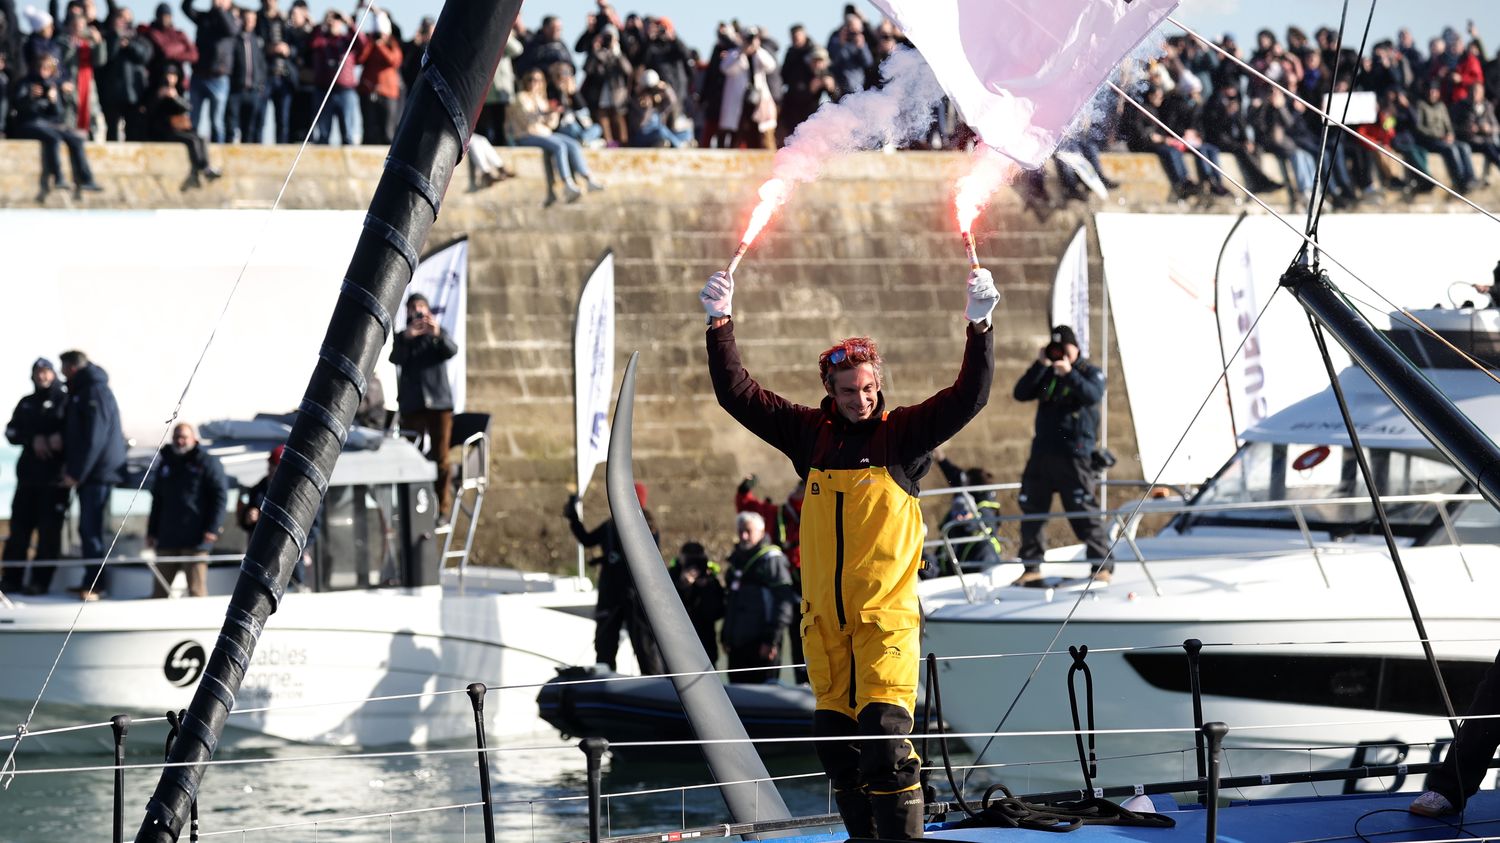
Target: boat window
[(1267, 473), (1475, 522), (357, 545)]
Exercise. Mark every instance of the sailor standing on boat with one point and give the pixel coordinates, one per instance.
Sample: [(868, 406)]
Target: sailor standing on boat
[(188, 497), (861, 544), (41, 499), (94, 453)]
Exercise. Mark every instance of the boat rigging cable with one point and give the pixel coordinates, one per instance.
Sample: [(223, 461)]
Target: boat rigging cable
[(457, 69), (22, 729)]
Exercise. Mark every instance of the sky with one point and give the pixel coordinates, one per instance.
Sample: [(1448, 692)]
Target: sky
[(696, 20)]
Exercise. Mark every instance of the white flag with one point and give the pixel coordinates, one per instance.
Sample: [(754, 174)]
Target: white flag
[(1020, 71), (1070, 290), (594, 368), (443, 277)]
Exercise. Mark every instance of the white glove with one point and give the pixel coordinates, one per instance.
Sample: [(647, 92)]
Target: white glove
[(982, 296), (718, 295)]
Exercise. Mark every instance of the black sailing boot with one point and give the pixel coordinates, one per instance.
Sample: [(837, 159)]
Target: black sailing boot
[(854, 808), (898, 816)]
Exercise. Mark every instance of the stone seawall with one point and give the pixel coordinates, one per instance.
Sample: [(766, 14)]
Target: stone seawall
[(869, 249)]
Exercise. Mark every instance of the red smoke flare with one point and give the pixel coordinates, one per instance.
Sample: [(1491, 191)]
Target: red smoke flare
[(773, 194)]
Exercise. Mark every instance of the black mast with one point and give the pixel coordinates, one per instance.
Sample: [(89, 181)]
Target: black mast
[(441, 110)]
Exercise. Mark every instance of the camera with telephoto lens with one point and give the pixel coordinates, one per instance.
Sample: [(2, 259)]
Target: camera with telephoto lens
[(1056, 351)]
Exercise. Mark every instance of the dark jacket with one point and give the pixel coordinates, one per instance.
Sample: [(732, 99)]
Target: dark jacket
[(93, 442), (126, 78), (188, 498), (422, 383), (703, 598), (272, 31), (1067, 412), (249, 74), (38, 414), (616, 585), (760, 596), (215, 40), (41, 108)]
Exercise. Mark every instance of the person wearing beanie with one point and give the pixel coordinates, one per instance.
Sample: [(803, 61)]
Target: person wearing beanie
[(41, 500), (861, 544), (1067, 390), (697, 579)]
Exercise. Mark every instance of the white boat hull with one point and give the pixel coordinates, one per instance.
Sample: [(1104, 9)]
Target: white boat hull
[(1276, 609), (321, 657)]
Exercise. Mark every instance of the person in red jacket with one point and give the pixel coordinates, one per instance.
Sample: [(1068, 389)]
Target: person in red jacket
[(380, 83), (329, 44), (172, 46)]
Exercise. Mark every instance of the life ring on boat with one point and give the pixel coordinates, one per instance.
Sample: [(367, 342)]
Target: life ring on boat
[(1311, 457)]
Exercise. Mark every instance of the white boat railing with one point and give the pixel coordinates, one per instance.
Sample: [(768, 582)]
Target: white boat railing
[(1124, 523)]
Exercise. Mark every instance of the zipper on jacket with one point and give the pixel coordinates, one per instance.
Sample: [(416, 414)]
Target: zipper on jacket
[(838, 556), (853, 697)]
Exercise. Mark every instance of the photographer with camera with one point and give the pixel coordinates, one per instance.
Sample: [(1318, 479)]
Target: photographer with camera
[(423, 395), (1063, 459)]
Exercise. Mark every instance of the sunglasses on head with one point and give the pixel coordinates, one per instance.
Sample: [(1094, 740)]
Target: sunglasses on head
[(842, 353)]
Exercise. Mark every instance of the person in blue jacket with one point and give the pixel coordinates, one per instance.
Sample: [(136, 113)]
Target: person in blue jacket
[(94, 455), (188, 499)]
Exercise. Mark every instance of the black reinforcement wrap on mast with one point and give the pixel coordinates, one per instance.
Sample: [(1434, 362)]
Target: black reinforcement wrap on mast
[(435, 128), (702, 692)]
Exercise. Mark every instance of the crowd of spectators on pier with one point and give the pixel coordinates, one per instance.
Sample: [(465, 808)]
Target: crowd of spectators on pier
[(258, 75)]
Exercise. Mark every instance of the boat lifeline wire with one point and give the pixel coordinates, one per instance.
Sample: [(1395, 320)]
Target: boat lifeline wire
[(7, 768)]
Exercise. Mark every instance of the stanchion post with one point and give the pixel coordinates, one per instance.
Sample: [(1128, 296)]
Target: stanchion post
[(1215, 733), (120, 725), (1194, 649), (593, 750), (476, 696)]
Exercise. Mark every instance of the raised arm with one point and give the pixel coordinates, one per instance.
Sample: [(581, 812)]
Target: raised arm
[(782, 424), (921, 428)]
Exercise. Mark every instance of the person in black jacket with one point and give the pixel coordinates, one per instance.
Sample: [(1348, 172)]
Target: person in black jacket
[(697, 580), (619, 605), (41, 499), (188, 497), (422, 392), (217, 28), (39, 114), (247, 83), (759, 607), (1067, 390), (167, 120), (125, 80), (93, 453)]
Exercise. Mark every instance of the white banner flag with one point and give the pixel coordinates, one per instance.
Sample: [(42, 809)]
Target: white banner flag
[(1237, 308), (443, 277), (1020, 71), (594, 368), (1070, 290)]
